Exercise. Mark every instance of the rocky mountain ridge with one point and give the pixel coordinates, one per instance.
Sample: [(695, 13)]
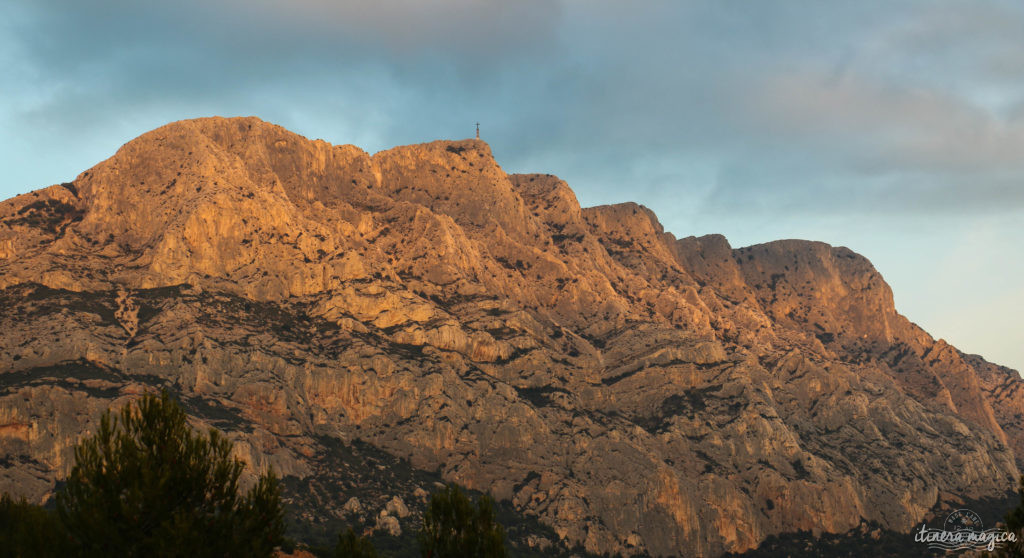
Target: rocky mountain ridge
[(634, 392)]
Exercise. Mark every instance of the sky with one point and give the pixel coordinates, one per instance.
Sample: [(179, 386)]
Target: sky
[(895, 128)]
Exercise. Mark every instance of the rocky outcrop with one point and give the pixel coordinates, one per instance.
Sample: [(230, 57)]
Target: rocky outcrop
[(632, 391)]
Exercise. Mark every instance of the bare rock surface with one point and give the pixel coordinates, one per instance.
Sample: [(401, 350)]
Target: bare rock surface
[(630, 391)]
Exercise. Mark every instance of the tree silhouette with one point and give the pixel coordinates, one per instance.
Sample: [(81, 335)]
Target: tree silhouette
[(351, 545), (454, 527), (146, 484), (29, 531), (1015, 524)]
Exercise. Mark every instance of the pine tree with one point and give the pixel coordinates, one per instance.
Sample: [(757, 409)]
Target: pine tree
[(29, 531), (146, 484), (1015, 524), (351, 545), (454, 527)]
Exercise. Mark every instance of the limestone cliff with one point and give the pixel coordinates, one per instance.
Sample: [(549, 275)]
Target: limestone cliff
[(632, 391)]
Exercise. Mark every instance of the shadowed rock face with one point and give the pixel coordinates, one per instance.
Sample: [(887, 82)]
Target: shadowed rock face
[(632, 391)]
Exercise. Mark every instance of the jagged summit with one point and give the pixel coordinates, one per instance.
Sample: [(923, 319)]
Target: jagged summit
[(635, 391)]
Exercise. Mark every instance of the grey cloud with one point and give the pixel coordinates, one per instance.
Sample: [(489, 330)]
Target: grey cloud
[(459, 28), (835, 121), (781, 98), (891, 127)]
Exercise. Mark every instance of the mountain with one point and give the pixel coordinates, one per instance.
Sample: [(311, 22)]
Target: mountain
[(369, 325)]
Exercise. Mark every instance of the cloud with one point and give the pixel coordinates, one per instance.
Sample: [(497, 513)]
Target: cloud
[(458, 28), (825, 120), (789, 106)]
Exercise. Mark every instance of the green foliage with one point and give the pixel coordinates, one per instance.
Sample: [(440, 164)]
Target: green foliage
[(146, 484), (28, 531), (351, 545), (454, 527), (1015, 524), (1015, 519)]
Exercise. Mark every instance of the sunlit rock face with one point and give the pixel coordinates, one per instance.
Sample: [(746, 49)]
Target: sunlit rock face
[(632, 391)]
